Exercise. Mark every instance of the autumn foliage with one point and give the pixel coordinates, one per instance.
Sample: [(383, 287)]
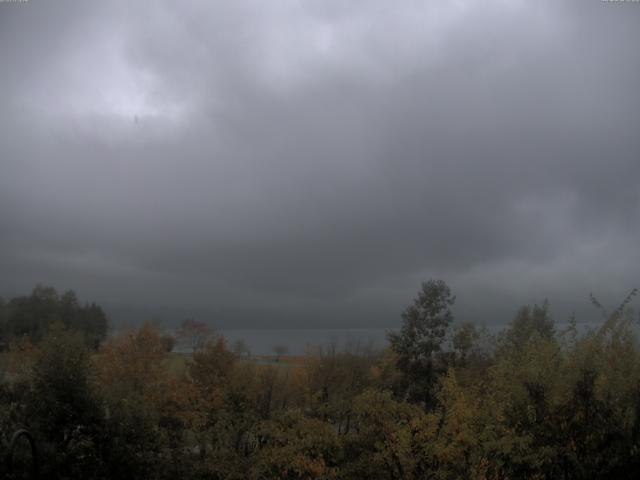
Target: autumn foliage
[(533, 402)]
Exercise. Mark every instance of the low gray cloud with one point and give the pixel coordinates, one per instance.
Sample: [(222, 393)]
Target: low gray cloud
[(309, 163)]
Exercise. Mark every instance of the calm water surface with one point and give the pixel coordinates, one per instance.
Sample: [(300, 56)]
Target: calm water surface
[(297, 341)]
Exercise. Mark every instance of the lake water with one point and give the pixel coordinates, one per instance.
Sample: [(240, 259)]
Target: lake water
[(296, 341)]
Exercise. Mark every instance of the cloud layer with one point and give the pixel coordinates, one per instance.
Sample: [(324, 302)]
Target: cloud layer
[(309, 163)]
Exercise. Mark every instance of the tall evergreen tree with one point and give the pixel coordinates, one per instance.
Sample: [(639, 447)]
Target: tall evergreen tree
[(418, 345)]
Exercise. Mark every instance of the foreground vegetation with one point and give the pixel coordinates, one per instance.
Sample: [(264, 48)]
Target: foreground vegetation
[(441, 402)]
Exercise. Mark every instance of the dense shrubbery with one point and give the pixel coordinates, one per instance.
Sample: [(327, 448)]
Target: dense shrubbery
[(439, 403)]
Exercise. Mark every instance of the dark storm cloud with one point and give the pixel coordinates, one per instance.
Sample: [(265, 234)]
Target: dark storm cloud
[(312, 162)]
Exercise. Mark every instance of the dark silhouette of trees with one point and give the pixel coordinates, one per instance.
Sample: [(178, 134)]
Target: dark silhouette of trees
[(530, 322), (194, 334), (33, 316), (418, 345)]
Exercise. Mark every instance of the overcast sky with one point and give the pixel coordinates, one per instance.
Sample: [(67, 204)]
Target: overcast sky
[(309, 163)]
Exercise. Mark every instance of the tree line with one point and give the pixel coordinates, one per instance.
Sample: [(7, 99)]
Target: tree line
[(33, 315), (444, 400)]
